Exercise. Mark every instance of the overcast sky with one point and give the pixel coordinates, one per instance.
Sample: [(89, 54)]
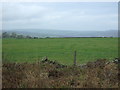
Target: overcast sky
[(61, 16)]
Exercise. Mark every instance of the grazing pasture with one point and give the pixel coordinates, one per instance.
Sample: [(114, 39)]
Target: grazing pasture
[(59, 49)]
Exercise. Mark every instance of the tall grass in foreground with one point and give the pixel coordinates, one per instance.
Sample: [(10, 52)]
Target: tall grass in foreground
[(98, 74)]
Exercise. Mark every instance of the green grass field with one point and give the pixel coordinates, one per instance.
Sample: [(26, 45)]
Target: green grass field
[(59, 49)]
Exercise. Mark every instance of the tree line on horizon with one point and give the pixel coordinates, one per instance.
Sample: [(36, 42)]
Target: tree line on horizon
[(19, 36), (14, 35)]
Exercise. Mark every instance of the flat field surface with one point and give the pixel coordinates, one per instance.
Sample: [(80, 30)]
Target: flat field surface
[(59, 49)]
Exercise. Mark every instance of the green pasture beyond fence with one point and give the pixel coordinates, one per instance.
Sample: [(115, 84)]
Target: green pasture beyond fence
[(62, 57), (59, 49)]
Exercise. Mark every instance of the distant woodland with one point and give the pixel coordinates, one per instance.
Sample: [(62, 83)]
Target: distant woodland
[(14, 35)]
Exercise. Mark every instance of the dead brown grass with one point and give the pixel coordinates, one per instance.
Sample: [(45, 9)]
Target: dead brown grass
[(98, 74)]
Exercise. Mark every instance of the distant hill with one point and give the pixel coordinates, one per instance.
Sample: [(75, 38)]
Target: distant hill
[(64, 33)]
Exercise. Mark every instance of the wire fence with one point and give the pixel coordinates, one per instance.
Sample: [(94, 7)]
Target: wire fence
[(62, 57)]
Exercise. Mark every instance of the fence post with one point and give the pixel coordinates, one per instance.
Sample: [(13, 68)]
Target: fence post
[(75, 58), (46, 58)]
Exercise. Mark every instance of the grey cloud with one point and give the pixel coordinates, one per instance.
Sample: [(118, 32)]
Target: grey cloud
[(19, 11), (21, 15)]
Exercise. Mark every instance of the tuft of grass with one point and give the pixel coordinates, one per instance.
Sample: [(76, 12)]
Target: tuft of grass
[(98, 74)]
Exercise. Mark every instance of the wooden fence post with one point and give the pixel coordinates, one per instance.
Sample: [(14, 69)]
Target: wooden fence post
[(74, 58)]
